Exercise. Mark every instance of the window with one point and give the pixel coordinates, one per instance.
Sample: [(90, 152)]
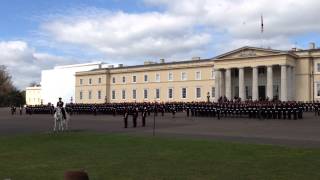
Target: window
[(134, 79), (157, 93), (81, 81), (123, 94), (212, 74), (123, 79), (170, 93), (183, 76), (198, 92), (145, 78), (113, 94), (80, 94), (318, 89), (99, 80), (145, 93), (183, 93), (99, 94), (90, 94), (170, 76), (198, 75), (318, 67), (213, 92), (113, 79), (90, 81), (134, 94), (157, 77)]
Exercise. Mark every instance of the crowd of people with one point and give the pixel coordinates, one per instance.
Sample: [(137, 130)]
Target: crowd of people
[(221, 109)]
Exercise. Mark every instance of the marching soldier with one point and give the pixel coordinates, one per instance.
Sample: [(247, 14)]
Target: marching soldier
[(134, 117), (144, 115), (125, 119)]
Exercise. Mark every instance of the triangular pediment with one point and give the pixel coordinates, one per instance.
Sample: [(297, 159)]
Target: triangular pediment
[(248, 52)]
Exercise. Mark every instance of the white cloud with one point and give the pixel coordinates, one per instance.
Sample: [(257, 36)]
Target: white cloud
[(185, 28), (239, 20), (24, 63), (120, 34)]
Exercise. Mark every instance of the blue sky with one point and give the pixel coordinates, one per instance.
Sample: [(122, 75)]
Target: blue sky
[(40, 34)]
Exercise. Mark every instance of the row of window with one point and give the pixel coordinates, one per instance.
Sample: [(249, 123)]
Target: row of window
[(90, 81), (184, 77), (146, 93), (157, 93), (90, 95)]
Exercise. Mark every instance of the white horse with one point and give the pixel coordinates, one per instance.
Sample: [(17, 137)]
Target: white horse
[(60, 124)]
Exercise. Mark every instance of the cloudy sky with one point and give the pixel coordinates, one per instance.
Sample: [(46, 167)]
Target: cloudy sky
[(40, 34)]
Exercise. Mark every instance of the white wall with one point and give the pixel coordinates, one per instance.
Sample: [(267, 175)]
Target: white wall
[(60, 82)]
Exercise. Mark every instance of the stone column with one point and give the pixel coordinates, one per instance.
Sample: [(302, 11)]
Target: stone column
[(289, 86), (222, 83), (270, 82), (241, 83), (255, 83), (284, 95), (217, 84), (293, 85), (228, 83)]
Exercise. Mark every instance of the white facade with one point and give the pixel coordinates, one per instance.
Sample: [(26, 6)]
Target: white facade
[(60, 81), (33, 95)]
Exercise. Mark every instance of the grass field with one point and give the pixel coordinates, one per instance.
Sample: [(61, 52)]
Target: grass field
[(105, 156)]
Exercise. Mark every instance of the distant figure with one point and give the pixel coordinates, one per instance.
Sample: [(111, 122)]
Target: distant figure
[(144, 115), (13, 110), (20, 110), (134, 117), (125, 118)]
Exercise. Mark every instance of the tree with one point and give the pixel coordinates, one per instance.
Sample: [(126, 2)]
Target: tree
[(9, 95)]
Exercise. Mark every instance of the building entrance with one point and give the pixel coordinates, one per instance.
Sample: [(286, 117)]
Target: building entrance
[(262, 92)]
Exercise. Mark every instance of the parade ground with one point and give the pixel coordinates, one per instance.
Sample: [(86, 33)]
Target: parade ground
[(302, 133), (183, 148)]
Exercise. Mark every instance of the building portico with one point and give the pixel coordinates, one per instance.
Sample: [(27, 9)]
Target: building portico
[(256, 76)]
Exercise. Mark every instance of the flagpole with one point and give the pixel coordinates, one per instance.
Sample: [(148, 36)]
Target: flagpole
[(261, 33)]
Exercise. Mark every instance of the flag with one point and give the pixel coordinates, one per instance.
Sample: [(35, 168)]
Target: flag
[(261, 24)]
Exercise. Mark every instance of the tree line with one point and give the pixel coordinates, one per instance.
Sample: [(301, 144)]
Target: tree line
[(9, 94)]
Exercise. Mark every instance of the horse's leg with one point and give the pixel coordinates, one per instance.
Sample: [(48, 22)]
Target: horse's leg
[(54, 125)]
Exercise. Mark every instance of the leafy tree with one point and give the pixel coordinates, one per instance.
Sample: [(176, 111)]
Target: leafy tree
[(9, 95)]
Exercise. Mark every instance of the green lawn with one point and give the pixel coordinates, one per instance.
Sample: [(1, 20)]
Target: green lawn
[(105, 156)]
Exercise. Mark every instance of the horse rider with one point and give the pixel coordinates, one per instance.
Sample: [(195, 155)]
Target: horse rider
[(60, 104)]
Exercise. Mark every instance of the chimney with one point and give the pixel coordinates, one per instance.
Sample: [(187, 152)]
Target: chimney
[(162, 61), (312, 45)]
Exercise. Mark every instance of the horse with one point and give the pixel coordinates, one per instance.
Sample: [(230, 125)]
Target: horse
[(60, 124)]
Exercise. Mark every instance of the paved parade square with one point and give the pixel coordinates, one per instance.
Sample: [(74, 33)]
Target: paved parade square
[(303, 133)]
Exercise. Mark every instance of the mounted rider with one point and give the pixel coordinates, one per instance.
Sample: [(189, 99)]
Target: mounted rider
[(60, 104)]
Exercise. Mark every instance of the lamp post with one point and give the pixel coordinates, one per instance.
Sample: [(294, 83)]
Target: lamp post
[(154, 118)]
